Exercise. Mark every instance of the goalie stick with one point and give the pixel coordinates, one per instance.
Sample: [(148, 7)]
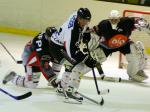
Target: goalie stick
[(20, 97), (113, 79), (16, 61), (119, 79)]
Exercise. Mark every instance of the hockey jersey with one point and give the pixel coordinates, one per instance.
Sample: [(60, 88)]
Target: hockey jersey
[(69, 36)]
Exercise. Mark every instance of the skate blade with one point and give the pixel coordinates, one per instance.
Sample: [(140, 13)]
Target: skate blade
[(72, 101)]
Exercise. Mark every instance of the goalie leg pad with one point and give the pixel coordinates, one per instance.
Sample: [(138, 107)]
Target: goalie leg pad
[(136, 59), (140, 76)]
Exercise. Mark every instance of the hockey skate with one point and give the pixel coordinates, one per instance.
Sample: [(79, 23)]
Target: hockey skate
[(52, 82), (71, 93), (59, 89), (10, 76)]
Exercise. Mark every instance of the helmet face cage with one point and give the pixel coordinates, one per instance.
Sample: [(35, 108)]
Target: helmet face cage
[(114, 14), (84, 13)]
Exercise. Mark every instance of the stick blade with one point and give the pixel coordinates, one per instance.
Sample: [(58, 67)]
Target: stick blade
[(26, 95)]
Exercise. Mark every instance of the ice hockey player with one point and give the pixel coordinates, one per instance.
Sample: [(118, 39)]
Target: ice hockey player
[(36, 57), (68, 40), (114, 35)]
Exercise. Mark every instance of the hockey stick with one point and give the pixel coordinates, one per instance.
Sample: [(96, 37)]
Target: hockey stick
[(72, 61), (92, 100), (116, 79), (106, 78), (111, 79), (16, 61), (99, 69), (95, 80), (21, 97)]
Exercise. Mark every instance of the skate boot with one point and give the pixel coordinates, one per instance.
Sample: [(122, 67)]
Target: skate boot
[(60, 89), (52, 82), (72, 93), (10, 76)]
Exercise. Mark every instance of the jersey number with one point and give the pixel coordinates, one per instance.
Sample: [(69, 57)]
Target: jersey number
[(39, 44)]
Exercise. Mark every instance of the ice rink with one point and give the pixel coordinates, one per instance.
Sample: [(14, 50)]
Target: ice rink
[(123, 97)]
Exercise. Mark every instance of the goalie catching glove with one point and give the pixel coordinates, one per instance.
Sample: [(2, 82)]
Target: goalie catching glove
[(142, 25)]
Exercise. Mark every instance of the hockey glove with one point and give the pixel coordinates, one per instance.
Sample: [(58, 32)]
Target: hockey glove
[(90, 62), (86, 37), (141, 24), (50, 30)]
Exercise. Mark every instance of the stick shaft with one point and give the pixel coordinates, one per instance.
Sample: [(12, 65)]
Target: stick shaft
[(94, 76), (18, 62)]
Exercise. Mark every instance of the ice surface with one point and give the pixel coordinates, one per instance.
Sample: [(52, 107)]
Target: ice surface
[(123, 97)]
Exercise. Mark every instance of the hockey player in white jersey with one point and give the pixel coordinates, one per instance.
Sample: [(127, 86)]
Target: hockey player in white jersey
[(67, 41)]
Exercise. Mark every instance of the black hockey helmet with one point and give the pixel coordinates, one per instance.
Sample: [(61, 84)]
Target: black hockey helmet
[(50, 30), (84, 13)]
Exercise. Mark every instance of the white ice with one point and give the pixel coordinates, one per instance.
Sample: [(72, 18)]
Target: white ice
[(123, 97)]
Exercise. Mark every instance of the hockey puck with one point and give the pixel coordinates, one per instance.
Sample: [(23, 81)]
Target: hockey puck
[(19, 62)]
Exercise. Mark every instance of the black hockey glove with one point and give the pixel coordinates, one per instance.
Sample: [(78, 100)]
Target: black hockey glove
[(86, 36), (50, 30), (79, 57), (90, 62)]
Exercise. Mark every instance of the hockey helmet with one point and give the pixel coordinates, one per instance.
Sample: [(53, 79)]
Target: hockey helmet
[(50, 30), (84, 13), (114, 14)]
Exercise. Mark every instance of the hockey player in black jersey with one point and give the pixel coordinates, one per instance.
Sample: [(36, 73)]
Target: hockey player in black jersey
[(36, 57), (115, 35)]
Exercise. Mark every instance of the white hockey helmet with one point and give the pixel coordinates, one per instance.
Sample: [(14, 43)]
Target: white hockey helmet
[(114, 14)]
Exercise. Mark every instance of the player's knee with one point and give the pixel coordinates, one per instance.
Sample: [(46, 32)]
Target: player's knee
[(32, 76), (136, 62), (31, 84)]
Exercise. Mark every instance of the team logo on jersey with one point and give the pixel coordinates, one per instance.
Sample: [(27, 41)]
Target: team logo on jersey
[(71, 22), (117, 41)]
